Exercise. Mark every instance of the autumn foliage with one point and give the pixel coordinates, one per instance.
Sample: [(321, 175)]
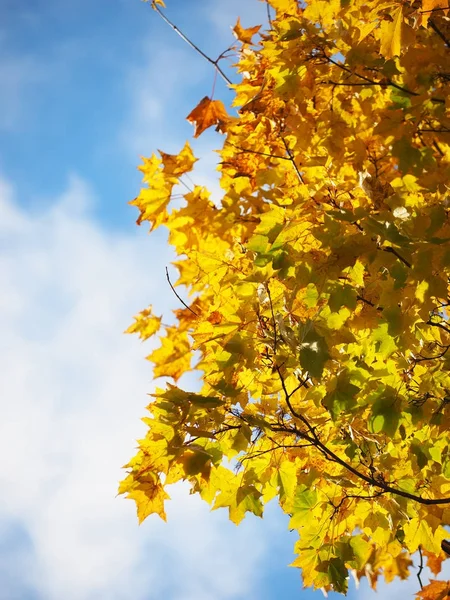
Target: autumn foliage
[(319, 292)]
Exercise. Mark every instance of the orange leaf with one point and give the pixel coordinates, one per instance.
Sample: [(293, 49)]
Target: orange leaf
[(245, 35), (429, 6), (215, 318), (207, 113), (434, 561), (435, 590)]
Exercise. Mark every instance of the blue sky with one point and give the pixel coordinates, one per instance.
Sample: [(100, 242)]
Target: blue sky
[(88, 87)]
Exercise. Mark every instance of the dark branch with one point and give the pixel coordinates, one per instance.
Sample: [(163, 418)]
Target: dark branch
[(419, 572), (439, 33), (312, 437)]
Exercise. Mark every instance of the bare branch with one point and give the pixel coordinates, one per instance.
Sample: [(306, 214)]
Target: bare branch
[(419, 572), (215, 63), (180, 299)]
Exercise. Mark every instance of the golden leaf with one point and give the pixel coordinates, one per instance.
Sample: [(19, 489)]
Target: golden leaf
[(391, 34), (245, 35), (178, 164), (146, 324)]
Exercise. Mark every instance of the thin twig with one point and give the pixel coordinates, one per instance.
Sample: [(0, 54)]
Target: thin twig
[(419, 572), (180, 299), (275, 338), (191, 44), (291, 158), (269, 17)]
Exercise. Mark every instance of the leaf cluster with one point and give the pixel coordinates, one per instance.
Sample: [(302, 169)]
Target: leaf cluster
[(320, 324)]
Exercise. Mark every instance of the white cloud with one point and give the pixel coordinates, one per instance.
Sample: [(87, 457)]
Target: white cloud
[(72, 391)]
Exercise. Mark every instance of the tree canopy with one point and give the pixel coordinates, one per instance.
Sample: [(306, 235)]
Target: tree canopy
[(316, 291)]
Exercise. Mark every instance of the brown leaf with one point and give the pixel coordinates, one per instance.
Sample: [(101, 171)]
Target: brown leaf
[(207, 113)]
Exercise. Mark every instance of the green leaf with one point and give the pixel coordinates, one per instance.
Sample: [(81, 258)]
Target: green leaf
[(361, 550), (258, 243), (408, 156), (194, 461), (304, 501), (342, 295), (205, 401), (338, 573), (385, 416), (342, 398), (314, 350), (400, 99), (394, 317), (312, 295)]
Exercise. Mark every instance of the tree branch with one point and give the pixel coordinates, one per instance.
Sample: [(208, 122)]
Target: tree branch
[(439, 33), (419, 572), (386, 83), (192, 45), (313, 438)]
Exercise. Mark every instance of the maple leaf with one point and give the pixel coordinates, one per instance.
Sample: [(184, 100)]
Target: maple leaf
[(149, 497), (391, 34), (178, 164), (245, 35), (208, 113), (146, 324), (435, 590)]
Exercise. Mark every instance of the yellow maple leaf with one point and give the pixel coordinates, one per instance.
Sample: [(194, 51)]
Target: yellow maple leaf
[(146, 324), (208, 113), (178, 164), (173, 357), (391, 34), (149, 496), (419, 533)]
